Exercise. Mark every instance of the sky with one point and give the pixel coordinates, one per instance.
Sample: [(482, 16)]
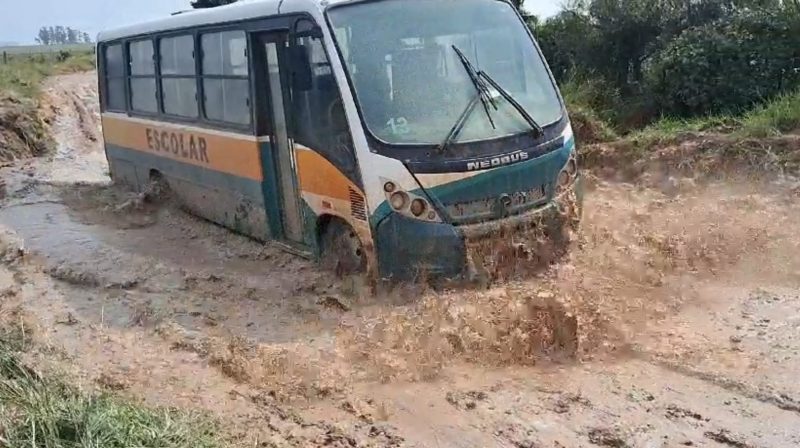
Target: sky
[(21, 20)]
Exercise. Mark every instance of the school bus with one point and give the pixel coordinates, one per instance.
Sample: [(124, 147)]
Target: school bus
[(377, 135)]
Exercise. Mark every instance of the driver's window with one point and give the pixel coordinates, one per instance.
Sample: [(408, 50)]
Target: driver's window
[(319, 117)]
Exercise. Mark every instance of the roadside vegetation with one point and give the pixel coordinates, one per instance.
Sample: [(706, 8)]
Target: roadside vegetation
[(39, 410), (650, 70)]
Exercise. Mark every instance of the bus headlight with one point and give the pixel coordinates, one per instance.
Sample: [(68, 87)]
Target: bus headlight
[(398, 200), (412, 205), (418, 207), (563, 179)]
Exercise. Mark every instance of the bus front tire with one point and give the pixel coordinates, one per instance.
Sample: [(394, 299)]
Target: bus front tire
[(341, 249)]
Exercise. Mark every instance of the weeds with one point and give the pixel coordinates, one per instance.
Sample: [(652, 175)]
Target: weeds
[(38, 411), (774, 118), (43, 412)]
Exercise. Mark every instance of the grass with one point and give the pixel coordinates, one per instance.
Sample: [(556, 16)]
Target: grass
[(45, 412), (668, 129), (771, 119), (777, 117), (23, 74), (584, 99)]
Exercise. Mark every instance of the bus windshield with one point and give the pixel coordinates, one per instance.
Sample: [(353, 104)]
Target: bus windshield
[(410, 83)]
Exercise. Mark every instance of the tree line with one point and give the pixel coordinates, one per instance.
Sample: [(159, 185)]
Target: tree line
[(60, 35)]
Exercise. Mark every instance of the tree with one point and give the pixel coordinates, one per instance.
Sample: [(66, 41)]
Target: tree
[(44, 37), (199, 4), (59, 35), (72, 36)]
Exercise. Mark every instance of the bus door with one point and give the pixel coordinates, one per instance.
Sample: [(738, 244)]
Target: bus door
[(275, 124), (306, 120)]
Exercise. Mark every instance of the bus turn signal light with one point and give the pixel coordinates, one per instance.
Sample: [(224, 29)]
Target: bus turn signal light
[(418, 207), (389, 187)]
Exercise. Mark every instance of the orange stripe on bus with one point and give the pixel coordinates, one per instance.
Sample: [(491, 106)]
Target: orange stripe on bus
[(237, 156), (317, 175)]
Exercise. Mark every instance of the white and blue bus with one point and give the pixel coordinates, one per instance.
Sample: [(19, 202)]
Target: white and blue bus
[(378, 135)]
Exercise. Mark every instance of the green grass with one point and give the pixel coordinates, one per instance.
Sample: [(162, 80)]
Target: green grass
[(669, 129), (777, 117), (45, 412), (23, 74), (585, 99)]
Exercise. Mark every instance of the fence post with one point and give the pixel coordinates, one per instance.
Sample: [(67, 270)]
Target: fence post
[(5, 58)]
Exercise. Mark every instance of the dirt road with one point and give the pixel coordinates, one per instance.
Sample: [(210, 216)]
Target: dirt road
[(683, 294)]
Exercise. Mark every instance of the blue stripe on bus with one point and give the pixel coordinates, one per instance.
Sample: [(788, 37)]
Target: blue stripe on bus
[(249, 188)]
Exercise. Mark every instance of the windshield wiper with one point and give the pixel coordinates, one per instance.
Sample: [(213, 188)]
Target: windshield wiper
[(459, 124), (483, 91), (504, 93), (483, 95)]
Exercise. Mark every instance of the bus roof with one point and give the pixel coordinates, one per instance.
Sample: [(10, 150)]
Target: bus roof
[(241, 10)]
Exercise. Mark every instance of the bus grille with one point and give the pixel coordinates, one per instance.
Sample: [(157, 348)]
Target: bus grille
[(486, 209), (358, 208)]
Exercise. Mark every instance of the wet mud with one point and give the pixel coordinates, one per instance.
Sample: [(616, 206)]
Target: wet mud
[(670, 321)]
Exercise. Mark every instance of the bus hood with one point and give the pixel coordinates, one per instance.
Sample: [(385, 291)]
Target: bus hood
[(516, 184)]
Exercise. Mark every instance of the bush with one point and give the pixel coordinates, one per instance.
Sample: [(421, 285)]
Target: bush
[(727, 66), (592, 103)]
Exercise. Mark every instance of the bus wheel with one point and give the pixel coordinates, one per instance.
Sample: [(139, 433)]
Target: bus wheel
[(157, 189), (342, 252)]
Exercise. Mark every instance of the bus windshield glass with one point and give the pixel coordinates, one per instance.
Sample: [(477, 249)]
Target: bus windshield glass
[(412, 87)]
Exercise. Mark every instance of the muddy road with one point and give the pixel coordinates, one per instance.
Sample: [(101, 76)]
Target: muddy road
[(674, 320)]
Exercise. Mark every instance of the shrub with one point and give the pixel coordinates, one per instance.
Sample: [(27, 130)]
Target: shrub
[(727, 66)]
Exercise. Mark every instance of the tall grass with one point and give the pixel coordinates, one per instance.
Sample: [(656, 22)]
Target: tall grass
[(45, 412), (586, 100), (777, 117)]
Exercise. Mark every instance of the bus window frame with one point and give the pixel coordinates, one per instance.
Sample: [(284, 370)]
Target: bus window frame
[(129, 76), (251, 126), (103, 77), (159, 37)]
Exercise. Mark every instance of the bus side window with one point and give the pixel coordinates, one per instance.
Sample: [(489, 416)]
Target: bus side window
[(226, 84), (319, 115), (178, 81), (114, 71), (142, 76)]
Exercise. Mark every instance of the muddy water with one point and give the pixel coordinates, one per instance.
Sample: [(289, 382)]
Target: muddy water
[(672, 321)]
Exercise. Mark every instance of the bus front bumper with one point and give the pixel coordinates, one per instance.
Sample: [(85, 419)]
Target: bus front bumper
[(409, 249)]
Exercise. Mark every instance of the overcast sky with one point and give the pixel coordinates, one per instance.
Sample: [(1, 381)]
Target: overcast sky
[(21, 20)]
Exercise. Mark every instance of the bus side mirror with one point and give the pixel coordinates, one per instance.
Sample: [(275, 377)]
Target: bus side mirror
[(301, 68)]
